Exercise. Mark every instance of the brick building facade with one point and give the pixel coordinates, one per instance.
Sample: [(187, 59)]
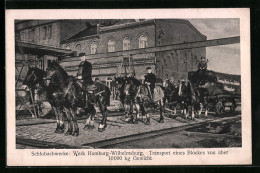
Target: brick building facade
[(133, 34), (41, 39), (95, 37)]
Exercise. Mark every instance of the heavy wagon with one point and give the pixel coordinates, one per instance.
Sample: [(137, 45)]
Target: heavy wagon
[(219, 99)]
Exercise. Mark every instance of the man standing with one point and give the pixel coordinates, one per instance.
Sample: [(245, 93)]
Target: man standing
[(150, 80)]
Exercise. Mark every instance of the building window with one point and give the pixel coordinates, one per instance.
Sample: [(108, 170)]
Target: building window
[(50, 31), (32, 35), (126, 43), (111, 46), (67, 47), (44, 33), (22, 36), (93, 48), (143, 41), (78, 48)]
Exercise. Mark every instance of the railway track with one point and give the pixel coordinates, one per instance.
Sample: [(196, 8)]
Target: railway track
[(109, 142), (120, 140)]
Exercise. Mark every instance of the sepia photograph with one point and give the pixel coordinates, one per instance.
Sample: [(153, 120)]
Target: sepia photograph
[(115, 87)]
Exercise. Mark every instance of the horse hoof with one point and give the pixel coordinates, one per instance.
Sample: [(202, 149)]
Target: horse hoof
[(161, 121), (101, 129), (60, 131), (147, 122), (90, 127), (139, 119), (56, 131), (75, 134), (68, 133), (129, 121), (86, 127), (135, 122)]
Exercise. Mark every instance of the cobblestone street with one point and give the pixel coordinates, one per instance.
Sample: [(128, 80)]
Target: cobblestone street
[(116, 127)]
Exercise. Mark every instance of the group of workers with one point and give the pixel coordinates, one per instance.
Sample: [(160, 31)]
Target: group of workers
[(85, 74)]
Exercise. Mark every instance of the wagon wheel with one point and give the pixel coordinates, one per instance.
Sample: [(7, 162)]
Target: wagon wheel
[(219, 108)]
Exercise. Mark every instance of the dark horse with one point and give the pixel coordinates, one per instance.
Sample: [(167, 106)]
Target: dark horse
[(74, 97), (126, 101), (171, 95), (139, 96), (186, 98), (36, 76)]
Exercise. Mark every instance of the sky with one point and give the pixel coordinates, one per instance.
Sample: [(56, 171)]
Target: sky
[(225, 58)]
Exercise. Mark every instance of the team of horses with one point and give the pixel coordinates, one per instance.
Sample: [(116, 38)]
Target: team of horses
[(66, 95)]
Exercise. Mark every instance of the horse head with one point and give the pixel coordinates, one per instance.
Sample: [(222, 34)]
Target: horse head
[(34, 76), (127, 86), (55, 74), (185, 88), (52, 74)]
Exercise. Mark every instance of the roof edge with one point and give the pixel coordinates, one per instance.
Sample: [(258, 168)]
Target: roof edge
[(185, 21)]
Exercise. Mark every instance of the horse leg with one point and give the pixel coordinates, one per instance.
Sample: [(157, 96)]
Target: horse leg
[(57, 119), (92, 115), (175, 110), (200, 110), (148, 121), (161, 120), (206, 111), (137, 117), (142, 111), (126, 112), (87, 122), (61, 120), (73, 111), (103, 110), (192, 112), (131, 111), (70, 126), (182, 109), (185, 112)]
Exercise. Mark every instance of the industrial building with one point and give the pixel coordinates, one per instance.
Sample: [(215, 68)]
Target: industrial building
[(63, 40)]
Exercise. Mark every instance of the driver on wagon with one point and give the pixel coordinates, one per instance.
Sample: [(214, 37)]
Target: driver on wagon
[(203, 64)]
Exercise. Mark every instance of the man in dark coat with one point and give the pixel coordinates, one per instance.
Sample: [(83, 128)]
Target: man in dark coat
[(203, 64), (150, 80), (85, 72)]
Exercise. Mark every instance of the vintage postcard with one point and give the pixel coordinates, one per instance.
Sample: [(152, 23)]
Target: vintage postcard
[(128, 87)]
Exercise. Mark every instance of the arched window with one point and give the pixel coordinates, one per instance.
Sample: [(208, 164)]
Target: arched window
[(126, 43), (111, 45), (78, 48), (67, 47), (143, 41), (93, 48)]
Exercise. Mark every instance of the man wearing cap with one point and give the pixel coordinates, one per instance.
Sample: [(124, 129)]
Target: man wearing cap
[(202, 64), (150, 80), (84, 73)]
